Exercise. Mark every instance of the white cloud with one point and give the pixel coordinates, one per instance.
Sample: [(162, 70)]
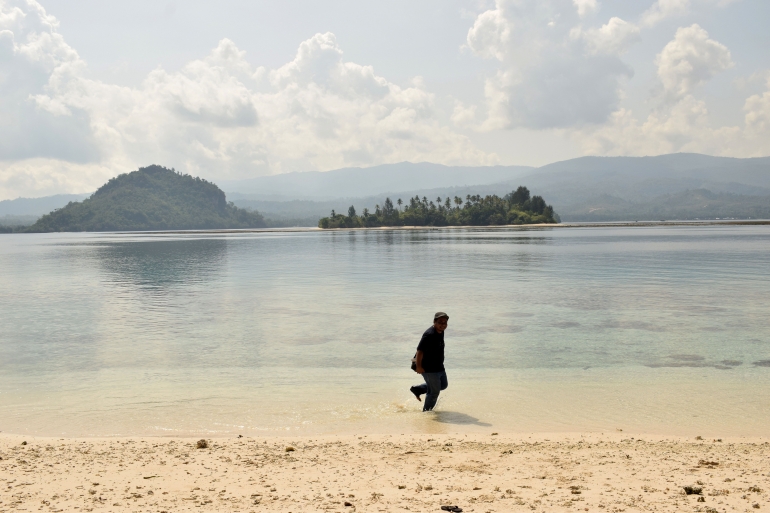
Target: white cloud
[(556, 69), (689, 60), (214, 90), (663, 9), (615, 37), (464, 115), (585, 6), (216, 116), (552, 73), (682, 128), (757, 110), (682, 122), (31, 52), (490, 35), (685, 127)]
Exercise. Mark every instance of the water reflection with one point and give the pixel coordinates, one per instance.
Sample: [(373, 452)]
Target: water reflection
[(163, 264), (160, 315)]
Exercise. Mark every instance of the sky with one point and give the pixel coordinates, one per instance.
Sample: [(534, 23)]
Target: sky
[(236, 89)]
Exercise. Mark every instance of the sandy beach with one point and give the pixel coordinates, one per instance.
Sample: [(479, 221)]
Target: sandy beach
[(611, 472)]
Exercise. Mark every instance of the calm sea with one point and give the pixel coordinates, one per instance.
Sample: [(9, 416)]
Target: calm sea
[(650, 329)]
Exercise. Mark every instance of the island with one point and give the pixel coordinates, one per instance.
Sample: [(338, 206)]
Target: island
[(150, 198), (517, 207)]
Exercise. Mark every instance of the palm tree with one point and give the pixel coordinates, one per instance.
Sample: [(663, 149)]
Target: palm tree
[(399, 203)]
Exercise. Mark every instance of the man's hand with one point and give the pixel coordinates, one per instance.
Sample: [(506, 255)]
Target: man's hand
[(420, 370)]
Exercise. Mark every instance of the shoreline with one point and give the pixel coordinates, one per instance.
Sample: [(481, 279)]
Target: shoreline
[(301, 229), (610, 472), (607, 224)]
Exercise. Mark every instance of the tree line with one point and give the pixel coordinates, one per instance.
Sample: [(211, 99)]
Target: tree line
[(517, 207)]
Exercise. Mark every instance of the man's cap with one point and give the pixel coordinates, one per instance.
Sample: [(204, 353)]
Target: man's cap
[(439, 315)]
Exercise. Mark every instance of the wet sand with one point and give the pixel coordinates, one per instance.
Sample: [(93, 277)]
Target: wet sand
[(612, 472)]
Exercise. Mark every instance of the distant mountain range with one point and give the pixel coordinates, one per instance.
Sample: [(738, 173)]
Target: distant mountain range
[(675, 186), (37, 206), (360, 182), (650, 188)]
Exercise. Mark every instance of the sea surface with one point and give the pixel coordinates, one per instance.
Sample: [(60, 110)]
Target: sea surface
[(662, 329)]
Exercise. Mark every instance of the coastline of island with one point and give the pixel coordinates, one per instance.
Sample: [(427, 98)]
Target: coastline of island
[(587, 224), (517, 208)]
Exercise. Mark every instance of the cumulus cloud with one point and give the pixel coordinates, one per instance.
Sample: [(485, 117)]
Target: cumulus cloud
[(615, 37), (757, 110), (663, 9), (556, 67), (210, 91), (689, 60), (31, 51), (682, 122), (585, 6), (682, 128), (464, 115), (218, 116), (553, 73), (490, 34), (685, 127)]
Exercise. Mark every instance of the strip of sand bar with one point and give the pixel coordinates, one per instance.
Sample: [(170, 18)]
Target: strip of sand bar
[(476, 472)]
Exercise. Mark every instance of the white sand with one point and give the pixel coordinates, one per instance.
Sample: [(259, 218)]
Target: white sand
[(480, 473)]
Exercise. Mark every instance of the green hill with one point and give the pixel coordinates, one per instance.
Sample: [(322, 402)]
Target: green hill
[(693, 204), (151, 198)]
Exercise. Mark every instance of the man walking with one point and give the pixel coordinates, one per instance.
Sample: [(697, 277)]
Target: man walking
[(430, 362)]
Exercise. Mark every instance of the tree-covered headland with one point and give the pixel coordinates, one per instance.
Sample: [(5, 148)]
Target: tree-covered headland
[(151, 198), (517, 207)]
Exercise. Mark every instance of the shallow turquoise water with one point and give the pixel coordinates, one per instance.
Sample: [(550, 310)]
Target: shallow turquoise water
[(663, 329)]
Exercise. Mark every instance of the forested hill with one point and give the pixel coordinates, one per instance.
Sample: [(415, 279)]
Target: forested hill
[(151, 198)]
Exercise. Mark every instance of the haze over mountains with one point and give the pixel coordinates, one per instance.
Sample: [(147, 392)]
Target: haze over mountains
[(675, 186), (360, 182)]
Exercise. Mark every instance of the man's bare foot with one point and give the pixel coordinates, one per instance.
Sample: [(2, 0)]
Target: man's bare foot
[(414, 391)]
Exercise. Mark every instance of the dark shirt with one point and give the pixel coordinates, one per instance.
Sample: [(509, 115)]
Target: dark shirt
[(432, 347)]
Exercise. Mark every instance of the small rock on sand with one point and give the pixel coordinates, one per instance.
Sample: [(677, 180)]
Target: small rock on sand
[(693, 490), (202, 444)]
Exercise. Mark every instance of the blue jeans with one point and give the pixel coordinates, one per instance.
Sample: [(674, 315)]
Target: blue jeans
[(435, 382)]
